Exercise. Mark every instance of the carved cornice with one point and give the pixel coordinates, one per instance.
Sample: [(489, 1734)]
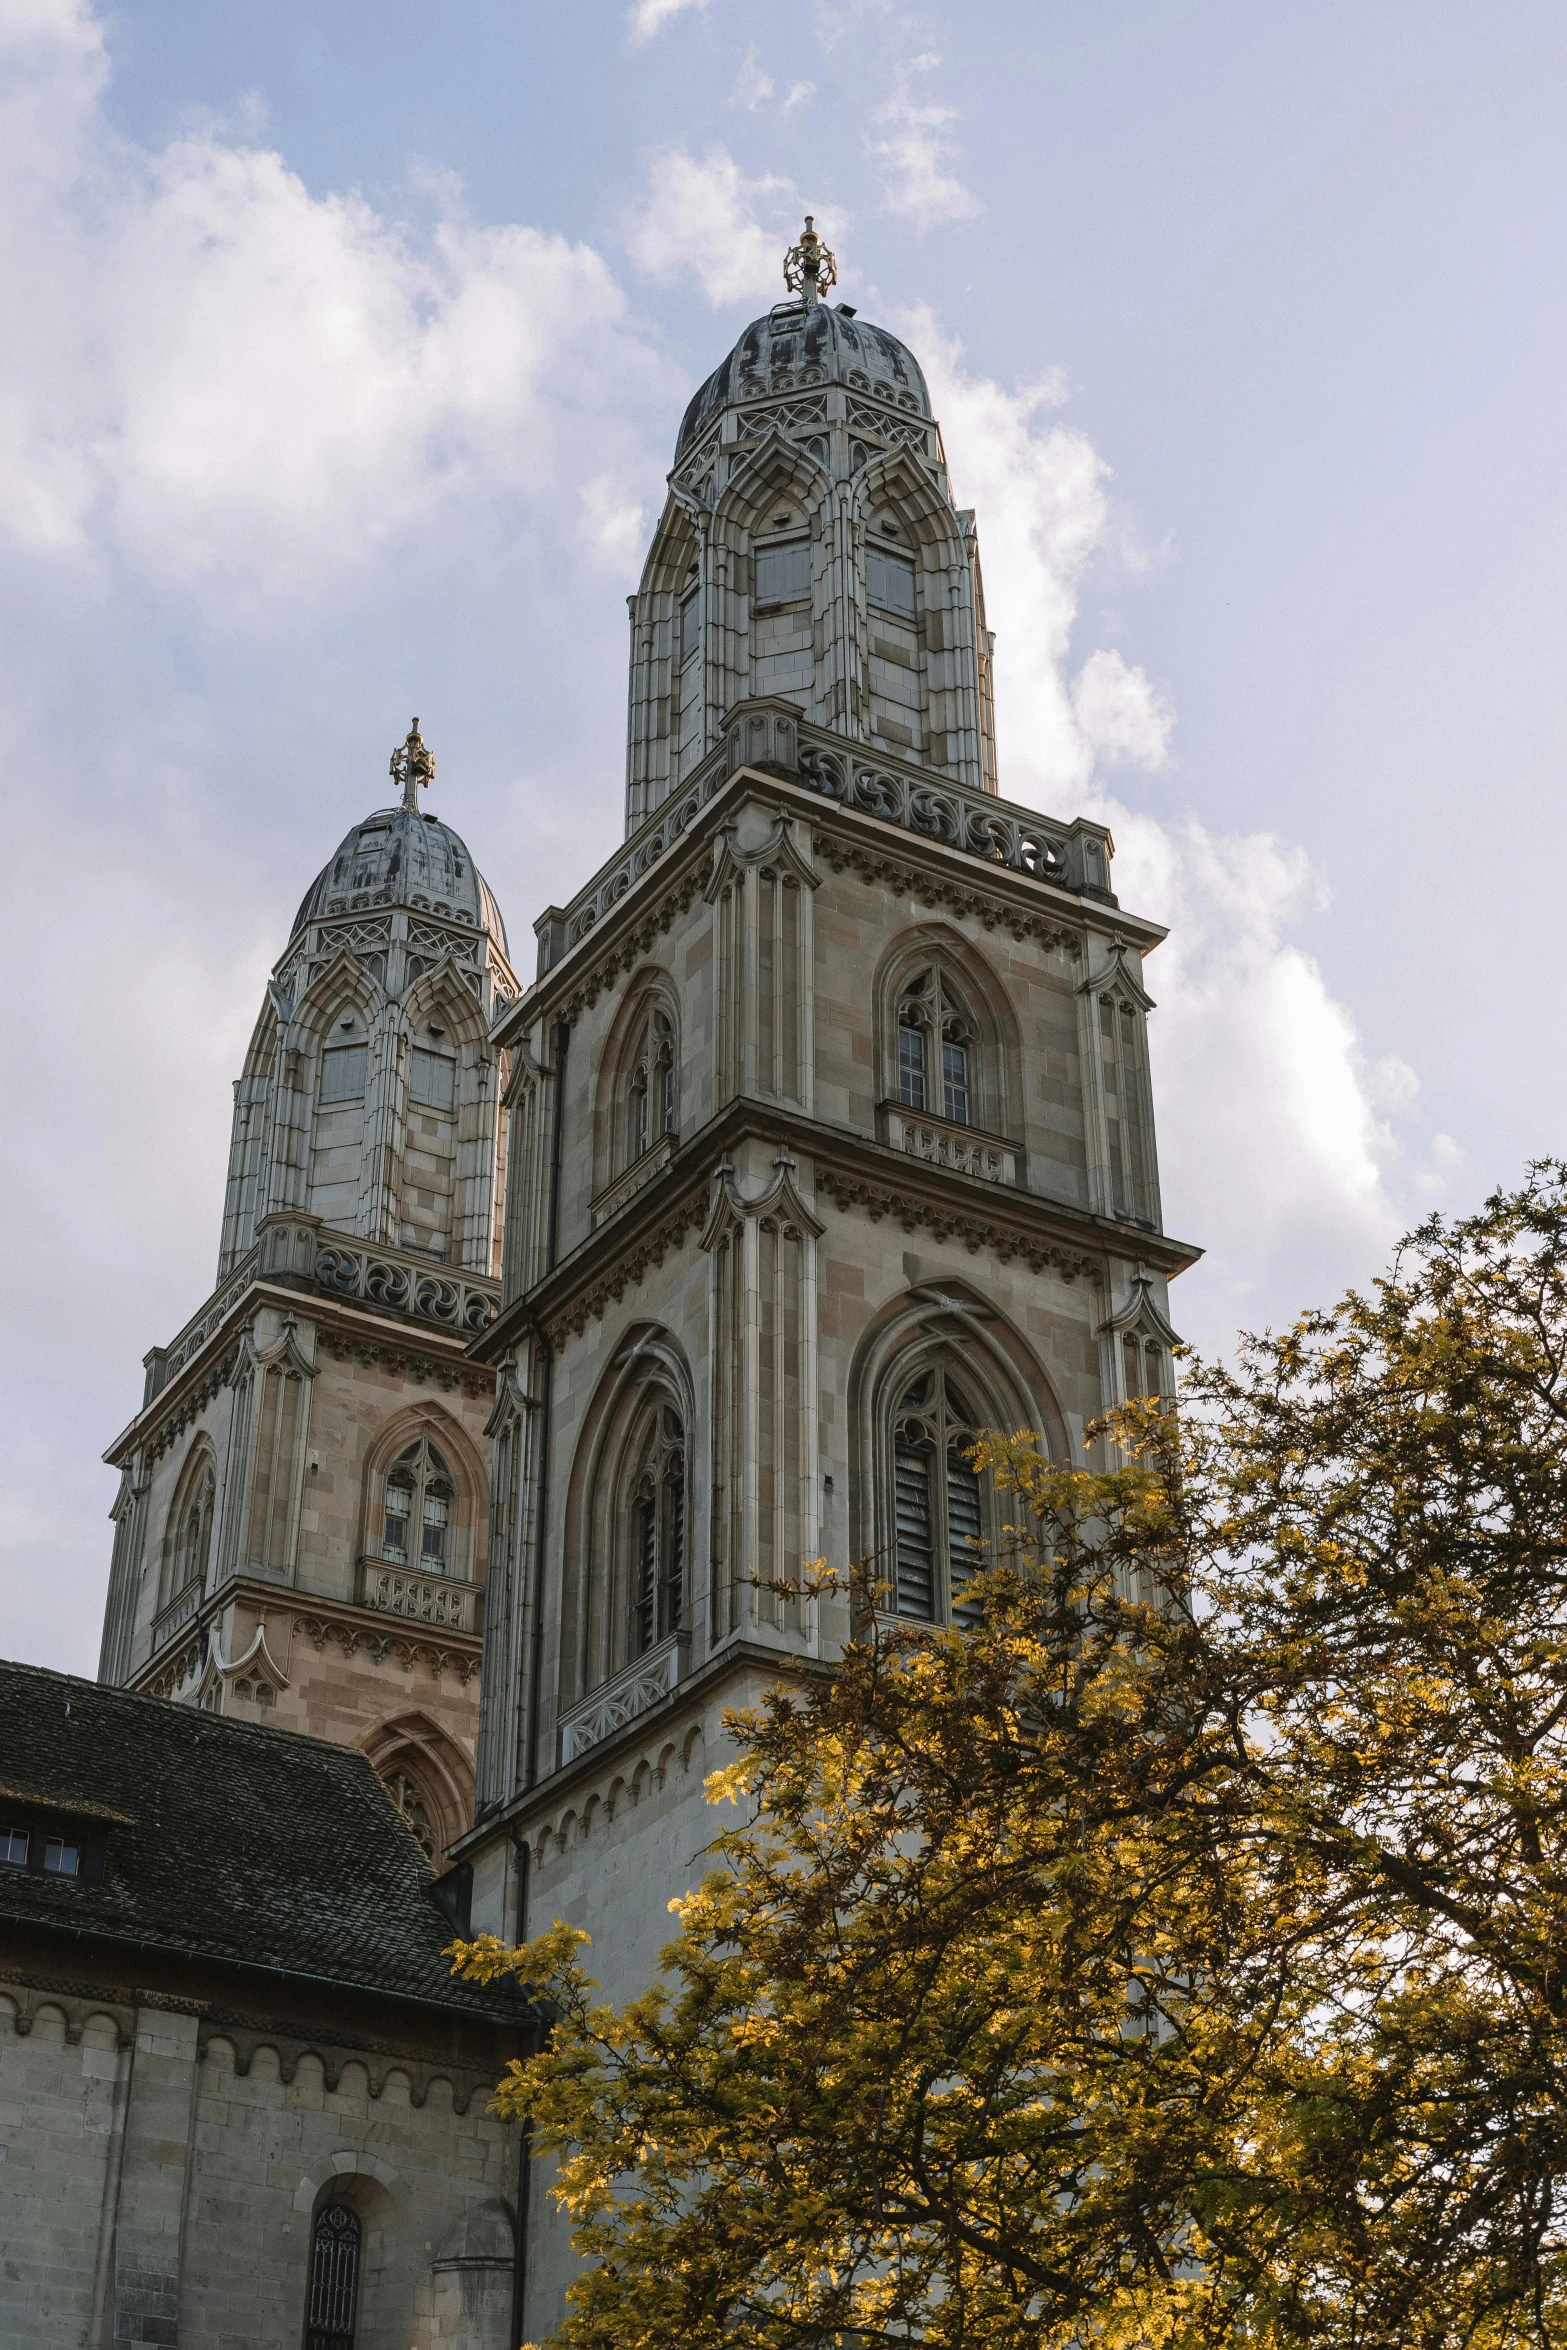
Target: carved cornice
[(454, 1652), (628, 947), (383, 1354), (1005, 1242), (854, 1171), (992, 908), (644, 1256)]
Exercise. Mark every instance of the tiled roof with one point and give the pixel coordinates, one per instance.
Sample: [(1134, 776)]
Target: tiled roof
[(223, 1840)]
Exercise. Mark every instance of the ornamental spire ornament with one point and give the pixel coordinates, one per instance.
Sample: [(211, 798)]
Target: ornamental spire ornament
[(412, 766), (809, 269)]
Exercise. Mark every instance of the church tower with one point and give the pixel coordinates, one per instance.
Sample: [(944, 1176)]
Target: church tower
[(831, 1143), (301, 1531)]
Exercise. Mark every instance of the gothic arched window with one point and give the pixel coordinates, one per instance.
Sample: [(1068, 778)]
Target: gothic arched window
[(1127, 1115), (658, 1530), (936, 1049), (193, 1536), (650, 1092), (417, 1510), (334, 2278), (938, 1502)]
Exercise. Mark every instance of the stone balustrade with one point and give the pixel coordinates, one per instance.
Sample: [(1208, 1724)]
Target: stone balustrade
[(437, 1600), (773, 736), (179, 1611), (305, 1254), (641, 1686), (942, 1143)]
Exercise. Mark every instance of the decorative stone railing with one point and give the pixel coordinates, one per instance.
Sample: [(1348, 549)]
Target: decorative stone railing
[(402, 1285), (422, 1599), (944, 1144), (164, 1361), (615, 1195), (179, 1611), (302, 1253), (772, 735), (637, 1690)]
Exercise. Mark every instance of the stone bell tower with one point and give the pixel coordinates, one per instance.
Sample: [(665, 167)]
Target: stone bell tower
[(831, 1143), (301, 1532)]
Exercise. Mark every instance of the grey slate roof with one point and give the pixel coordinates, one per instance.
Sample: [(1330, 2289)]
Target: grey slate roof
[(223, 1840)]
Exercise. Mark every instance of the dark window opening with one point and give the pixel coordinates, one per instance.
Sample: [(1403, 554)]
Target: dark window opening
[(13, 1848), (659, 1535), (938, 1503), (334, 2279)]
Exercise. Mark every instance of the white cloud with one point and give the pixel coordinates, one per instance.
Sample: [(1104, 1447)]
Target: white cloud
[(1123, 719), (615, 523), (230, 373), (648, 18), (753, 84), (704, 223), (1277, 1143), (912, 142)]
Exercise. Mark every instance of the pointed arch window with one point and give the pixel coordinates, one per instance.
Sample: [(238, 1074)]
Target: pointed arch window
[(1127, 1118), (336, 2243), (417, 1510), (936, 1049), (658, 1527), (193, 1540), (651, 1104), (938, 1500)]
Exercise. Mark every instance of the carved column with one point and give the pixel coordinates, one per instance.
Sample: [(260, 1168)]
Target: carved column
[(762, 1337)]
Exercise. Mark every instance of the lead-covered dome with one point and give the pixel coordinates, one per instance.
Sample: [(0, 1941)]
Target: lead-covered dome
[(402, 857), (797, 345)]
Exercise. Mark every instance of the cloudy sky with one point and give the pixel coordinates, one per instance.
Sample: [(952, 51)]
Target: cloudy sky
[(345, 348)]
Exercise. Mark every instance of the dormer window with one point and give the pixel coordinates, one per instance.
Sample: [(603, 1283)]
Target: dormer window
[(58, 1850)]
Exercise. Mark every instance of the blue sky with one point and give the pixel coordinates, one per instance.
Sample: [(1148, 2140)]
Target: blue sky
[(347, 349)]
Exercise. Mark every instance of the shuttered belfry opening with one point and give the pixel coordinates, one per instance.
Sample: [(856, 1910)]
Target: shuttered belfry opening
[(334, 2279), (937, 1503)]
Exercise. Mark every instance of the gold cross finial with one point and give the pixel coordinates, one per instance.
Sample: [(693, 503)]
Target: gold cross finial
[(809, 269), (412, 767)]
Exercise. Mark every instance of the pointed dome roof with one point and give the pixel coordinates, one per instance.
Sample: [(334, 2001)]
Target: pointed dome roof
[(797, 346), (403, 857)]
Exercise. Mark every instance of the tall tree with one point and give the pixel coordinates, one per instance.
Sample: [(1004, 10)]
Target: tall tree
[(1177, 1957)]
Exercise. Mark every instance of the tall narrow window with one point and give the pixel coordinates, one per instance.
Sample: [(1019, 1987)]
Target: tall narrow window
[(416, 1510), (911, 1065), (334, 2279), (650, 1106), (935, 1033), (193, 1538), (658, 1529), (938, 1503), (1121, 1042)]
